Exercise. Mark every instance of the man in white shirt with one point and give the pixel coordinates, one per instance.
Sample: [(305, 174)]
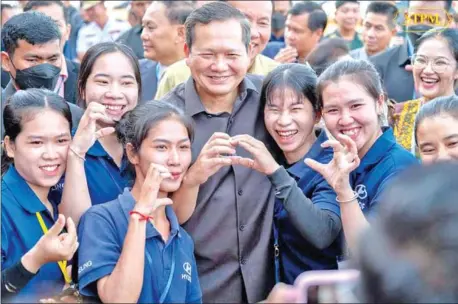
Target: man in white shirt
[(101, 28)]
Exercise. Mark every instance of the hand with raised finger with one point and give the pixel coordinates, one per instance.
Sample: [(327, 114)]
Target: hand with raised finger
[(262, 160), (344, 161), (215, 154), (286, 55), (56, 246), (148, 200), (87, 132)]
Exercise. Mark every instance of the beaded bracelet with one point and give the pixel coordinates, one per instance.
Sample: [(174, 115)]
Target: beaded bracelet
[(143, 217)]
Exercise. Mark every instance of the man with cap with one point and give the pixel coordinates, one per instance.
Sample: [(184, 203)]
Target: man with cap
[(347, 16), (101, 28)]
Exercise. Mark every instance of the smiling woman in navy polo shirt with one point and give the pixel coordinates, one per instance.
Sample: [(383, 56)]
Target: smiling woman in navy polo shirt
[(109, 85), (306, 214), (366, 156), (37, 136), (132, 248)]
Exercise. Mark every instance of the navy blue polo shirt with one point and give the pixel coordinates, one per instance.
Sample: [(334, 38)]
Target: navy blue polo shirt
[(296, 253), (104, 178), (384, 160), (102, 232), (21, 231)]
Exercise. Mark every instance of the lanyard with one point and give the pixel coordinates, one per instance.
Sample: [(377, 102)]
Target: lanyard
[(62, 264), (172, 270)]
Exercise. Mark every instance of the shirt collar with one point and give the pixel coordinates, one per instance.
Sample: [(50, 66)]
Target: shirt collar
[(127, 204), (378, 150), (97, 150), (256, 65), (22, 191), (138, 29), (355, 37), (297, 170), (193, 103), (63, 69)]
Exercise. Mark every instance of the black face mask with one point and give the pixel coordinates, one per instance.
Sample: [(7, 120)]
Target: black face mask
[(40, 76), (416, 31)]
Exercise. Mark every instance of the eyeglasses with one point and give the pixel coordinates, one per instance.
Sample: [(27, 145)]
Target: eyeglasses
[(439, 65)]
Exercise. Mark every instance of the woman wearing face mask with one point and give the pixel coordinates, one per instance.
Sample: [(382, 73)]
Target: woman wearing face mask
[(109, 85), (436, 130), (366, 156), (133, 249), (435, 70), (35, 249), (306, 215)]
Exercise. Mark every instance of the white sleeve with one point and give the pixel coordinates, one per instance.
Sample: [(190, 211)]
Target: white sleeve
[(81, 45)]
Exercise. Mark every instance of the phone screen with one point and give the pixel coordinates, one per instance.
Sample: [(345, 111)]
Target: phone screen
[(332, 286)]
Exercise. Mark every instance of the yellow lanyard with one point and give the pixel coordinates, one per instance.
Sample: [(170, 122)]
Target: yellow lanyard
[(62, 264)]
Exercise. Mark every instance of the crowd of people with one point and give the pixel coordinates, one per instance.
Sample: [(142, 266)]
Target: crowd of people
[(217, 150)]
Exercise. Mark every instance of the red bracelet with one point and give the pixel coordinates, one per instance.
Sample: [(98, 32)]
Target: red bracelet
[(142, 216)]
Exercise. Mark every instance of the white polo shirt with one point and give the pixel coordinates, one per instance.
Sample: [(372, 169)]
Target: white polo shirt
[(91, 34)]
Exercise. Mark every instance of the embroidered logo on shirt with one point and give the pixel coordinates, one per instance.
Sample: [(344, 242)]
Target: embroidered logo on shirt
[(187, 268), (58, 187), (84, 266), (361, 191)]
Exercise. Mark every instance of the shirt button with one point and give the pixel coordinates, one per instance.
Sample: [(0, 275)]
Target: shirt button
[(242, 227), (240, 192), (243, 261)]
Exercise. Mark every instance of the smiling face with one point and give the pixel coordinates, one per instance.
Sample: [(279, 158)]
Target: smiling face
[(349, 109), (290, 120), (434, 69), (218, 59), (259, 14), (167, 144), (112, 83), (437, 139), (40, 150)]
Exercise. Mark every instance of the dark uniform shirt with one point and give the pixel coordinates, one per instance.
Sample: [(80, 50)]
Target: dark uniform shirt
[(232, 223)]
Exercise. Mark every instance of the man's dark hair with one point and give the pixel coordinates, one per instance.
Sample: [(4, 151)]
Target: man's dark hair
[(33, 27), (340, 3), (409, 254), (273, 4), (177, 11), (317, 16), (216, 11), (31, 5), (5, 6), (326, 53), (384, 8), (448, 4)]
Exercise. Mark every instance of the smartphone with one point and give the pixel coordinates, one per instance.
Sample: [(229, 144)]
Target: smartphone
[(327, 286)]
